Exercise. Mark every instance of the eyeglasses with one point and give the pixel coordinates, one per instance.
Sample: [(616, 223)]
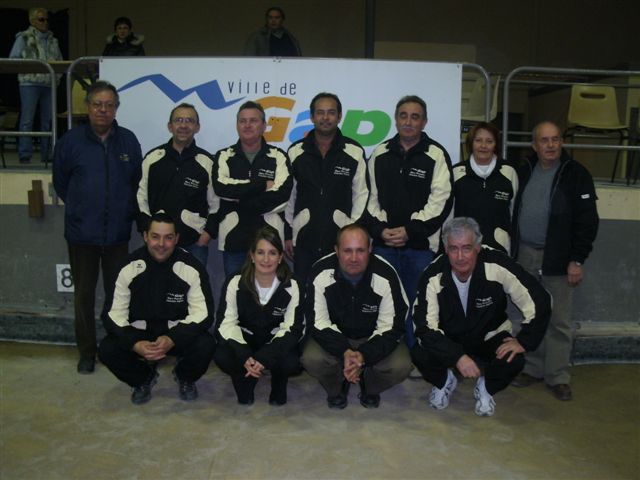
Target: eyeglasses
[(103, 105), (187, 120), (42, 19)]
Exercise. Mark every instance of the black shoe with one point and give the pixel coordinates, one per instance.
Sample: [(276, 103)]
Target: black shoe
[(86, 365), (562, 391), (368, 400), (278, 395), (24, 160), (340, 401), (277, 401), (187, 390), (244, 387), (142, 393), (246, 400)]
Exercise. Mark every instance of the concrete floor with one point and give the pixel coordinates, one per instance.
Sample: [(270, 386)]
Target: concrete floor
[(56, 424)]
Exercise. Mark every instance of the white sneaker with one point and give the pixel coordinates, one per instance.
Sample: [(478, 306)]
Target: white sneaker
[(439, 398), (485, 405)]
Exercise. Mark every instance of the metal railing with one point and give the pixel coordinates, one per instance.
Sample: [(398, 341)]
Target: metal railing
[(506, 143), (487, 89), (30, 65)]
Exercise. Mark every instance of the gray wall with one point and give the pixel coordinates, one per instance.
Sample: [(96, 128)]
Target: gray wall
[(506, 34), (30, 306)]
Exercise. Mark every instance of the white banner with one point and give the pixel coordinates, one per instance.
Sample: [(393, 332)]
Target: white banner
[(368, 89)]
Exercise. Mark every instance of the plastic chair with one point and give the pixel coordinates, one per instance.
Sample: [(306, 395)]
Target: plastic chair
[(9, 123), (473, 109), (78, 105), (592, 109)]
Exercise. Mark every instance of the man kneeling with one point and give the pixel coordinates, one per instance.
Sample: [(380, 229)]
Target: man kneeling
[(356, 308), (161, 305), (460, 317)]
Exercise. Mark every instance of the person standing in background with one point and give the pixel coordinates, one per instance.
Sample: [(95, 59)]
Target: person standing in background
[(123, 42), (273, 40), (36, 42)]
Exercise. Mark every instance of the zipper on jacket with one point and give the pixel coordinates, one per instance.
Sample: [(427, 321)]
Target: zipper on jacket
[(105, 146)]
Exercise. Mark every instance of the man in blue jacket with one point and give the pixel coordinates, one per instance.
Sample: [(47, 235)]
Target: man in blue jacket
[(96, 171)]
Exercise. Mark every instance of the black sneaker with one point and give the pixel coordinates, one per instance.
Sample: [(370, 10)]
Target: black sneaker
[(341, 400), (142, 393), (86, 365), (187, 390)]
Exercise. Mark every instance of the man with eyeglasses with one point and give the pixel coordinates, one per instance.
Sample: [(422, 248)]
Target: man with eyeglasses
[(253, 181), (556, 224), (36, 42), (96, 170), (176, 179)]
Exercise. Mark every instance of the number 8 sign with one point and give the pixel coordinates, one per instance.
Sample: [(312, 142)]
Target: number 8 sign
[(64, 279)]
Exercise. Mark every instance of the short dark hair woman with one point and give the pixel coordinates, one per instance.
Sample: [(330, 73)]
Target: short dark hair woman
[(485, 187), (260, 321)]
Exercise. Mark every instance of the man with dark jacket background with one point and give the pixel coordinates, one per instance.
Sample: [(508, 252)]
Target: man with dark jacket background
[(272, 40), (556, 225), (96, 170)]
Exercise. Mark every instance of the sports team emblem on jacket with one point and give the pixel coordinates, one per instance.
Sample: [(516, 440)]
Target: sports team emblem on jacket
[(369, 308), (191, 182), (498, 195), (342, 171), (417, 173), (175, 297), (484, 302), (266, 173)]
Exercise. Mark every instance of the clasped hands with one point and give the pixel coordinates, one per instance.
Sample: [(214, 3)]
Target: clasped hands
[(156, 350), (394, 237), (254, 368), (353, 365)]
